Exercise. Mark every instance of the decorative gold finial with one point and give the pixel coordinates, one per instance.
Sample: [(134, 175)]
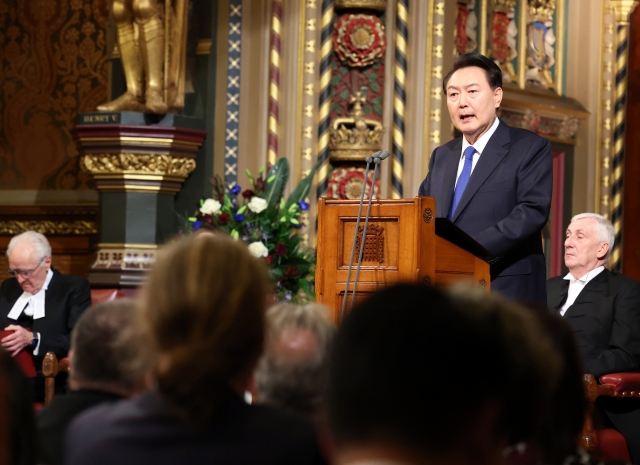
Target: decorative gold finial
[(623, 9)]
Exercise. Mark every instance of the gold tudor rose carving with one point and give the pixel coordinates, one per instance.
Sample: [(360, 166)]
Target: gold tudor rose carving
[(102, 163)]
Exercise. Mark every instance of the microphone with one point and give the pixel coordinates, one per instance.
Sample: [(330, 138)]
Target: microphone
[(376, 158), (371, 159)]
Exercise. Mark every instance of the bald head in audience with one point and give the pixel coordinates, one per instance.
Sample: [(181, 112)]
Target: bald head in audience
[(292, 372)]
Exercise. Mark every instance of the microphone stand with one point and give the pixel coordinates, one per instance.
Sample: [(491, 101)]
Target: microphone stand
[(377, 162), (369, 160)]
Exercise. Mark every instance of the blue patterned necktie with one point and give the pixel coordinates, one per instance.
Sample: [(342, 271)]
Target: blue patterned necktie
[(463, 179)]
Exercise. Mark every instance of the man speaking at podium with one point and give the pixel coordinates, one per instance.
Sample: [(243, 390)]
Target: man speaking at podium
[(494, 182)]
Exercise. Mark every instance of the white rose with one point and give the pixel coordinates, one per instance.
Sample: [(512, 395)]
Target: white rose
[(258, 249), (257, 204), (210, 206)]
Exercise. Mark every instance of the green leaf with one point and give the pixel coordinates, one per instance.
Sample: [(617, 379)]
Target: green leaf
[(377, 109), (306, 287), (302, 189), (366, 110), (294, 221), (192, 219), (276, 273), (344, 95), (375, 87), (276, 181), (242, 209)]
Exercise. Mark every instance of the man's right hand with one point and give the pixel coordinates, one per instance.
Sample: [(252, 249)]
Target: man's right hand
[(17, 341)]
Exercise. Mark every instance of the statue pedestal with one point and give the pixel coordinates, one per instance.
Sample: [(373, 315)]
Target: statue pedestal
[(139, 162)]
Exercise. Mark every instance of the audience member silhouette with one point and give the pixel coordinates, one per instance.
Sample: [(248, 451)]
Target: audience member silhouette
[(18, 441), (202, 314), (419, 377), (105, 367)]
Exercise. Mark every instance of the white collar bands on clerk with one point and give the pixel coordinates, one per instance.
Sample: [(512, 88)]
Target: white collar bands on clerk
[(32, 304)]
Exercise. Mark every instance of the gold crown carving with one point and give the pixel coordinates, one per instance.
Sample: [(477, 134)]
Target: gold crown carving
[(378, 5), (503, 6), (356, 137), (541, 10)]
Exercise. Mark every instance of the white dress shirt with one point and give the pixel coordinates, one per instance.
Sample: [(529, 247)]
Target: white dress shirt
[(576, 286), (32, 305), (480, 145)]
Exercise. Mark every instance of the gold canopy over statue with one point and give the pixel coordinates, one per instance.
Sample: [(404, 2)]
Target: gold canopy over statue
[(152, 38)]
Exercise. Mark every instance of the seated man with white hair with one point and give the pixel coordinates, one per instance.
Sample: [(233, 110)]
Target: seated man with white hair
[(39, 304), (603, 308)]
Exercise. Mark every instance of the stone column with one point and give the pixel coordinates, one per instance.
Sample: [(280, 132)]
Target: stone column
[(139, 163)]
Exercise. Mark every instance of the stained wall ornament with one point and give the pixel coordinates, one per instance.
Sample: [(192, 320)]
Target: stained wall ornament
[(503, 37), (465, 27), (540, 42), (54, 66)]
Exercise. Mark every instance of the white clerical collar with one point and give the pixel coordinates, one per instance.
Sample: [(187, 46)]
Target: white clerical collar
[(483, 140), (587, 277), (35, 301)]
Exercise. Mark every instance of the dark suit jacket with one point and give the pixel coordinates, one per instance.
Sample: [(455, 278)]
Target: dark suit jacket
[(504, 206), (606, 321), (54, 419), (143, 430), (65, 300)]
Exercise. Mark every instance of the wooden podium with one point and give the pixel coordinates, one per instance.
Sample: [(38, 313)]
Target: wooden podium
[(402, 244)]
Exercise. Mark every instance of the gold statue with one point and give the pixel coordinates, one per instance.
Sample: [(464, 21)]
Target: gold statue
[(153, 55)]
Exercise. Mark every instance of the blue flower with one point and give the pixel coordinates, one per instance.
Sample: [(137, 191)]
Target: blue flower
[(303, 205), (236, 189), (298, 226), (238, 217), (196, 225)]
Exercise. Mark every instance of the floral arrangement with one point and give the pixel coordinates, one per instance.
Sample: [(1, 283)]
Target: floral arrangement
[(269, 224)]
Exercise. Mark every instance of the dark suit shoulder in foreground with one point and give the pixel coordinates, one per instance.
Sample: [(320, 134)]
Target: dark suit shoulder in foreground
[(53, 420), (142, 430)]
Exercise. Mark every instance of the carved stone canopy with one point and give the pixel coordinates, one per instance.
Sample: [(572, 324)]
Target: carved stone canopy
[(543, 112)]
